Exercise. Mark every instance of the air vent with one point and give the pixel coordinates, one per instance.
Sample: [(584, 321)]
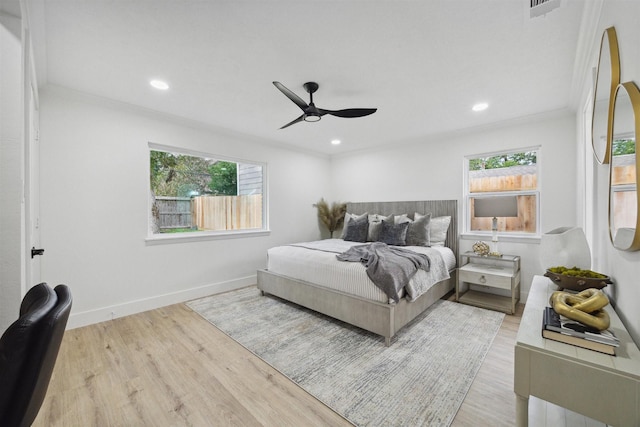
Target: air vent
[(542, 7)]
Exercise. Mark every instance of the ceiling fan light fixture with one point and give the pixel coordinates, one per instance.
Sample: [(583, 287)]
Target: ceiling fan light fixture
[(312, 117)]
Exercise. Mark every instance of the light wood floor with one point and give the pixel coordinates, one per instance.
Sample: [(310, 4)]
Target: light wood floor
[(170, 367)]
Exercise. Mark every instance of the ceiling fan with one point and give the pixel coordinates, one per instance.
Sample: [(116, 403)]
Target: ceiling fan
[(311, 113)]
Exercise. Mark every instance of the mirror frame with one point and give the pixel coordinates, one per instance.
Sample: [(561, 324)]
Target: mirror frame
[(614, 60), (634, 97)]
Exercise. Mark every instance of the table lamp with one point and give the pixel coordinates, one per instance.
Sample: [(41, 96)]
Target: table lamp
[(494, 207)]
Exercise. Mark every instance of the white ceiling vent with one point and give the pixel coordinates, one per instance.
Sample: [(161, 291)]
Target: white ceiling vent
[(542, 7)]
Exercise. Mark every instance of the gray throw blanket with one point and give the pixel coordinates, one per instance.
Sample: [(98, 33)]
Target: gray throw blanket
[(390, 268)]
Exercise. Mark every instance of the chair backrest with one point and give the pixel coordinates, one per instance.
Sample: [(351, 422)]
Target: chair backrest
[(28, 353)]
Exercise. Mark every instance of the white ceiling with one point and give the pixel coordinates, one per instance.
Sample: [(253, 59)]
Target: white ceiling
[(423, 64)]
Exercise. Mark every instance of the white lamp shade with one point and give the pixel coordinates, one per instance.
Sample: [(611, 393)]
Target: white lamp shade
[(499, 206), (565, 246)]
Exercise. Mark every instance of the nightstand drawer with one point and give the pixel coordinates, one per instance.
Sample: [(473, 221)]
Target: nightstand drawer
[(496, 277)]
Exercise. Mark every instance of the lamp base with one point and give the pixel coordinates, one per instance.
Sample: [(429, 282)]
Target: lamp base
[(495, 252)]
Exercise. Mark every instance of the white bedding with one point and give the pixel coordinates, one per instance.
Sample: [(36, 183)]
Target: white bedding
[(315, 262)]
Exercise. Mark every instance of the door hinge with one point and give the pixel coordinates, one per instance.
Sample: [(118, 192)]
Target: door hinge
[(35, 252)]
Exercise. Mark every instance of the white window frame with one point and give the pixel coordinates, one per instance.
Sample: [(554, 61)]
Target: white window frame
[(194, 236), (466, 200)]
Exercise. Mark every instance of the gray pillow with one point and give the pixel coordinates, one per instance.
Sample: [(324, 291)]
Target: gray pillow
[(375, 222), (418, 231), (357, 230), (393, 234), (347, 217), (438, 230)]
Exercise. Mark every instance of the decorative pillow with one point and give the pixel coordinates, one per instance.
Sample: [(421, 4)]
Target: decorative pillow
[(357, 230), (348, 216), (399, 219), (418, 231), (375, 221), (438, 230), (393, 234)]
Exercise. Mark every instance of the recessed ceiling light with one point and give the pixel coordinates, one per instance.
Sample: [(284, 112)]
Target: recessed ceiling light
[(481, 106), (336, 141), (159, 84)]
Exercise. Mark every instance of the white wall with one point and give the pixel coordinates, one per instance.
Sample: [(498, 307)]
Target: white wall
[(11, 171), (433, 170), (623, 267), (94, 202)]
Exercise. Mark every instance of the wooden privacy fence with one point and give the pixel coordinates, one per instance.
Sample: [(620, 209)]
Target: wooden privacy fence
[(503, 183), (173, 212), (209, 212), (227, 212), (624, 174)]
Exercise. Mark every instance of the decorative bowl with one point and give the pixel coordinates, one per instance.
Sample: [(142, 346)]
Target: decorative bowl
[(576, 283), (481, 248)]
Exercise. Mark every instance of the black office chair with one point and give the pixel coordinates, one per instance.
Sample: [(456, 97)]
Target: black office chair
[(28, 352)]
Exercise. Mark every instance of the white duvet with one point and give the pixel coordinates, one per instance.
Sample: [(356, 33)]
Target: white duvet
[(315, 262)]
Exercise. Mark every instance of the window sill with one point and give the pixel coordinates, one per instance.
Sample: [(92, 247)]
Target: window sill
[(165, 239), (502, 238)]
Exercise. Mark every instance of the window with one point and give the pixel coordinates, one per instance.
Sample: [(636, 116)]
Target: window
[(200, 193), (624, 195), (497, 175)]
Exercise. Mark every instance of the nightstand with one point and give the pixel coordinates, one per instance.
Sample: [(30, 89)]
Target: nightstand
[(489, 272)]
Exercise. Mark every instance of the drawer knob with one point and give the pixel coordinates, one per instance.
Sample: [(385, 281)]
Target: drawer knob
[(483, 279)]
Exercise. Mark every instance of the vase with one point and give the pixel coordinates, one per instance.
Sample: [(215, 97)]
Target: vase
[(565, 246)]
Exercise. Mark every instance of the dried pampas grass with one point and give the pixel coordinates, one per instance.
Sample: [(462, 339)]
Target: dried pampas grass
[(332, 217)]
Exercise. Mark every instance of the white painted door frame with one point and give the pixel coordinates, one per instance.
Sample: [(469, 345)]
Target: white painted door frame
[(31, 167)]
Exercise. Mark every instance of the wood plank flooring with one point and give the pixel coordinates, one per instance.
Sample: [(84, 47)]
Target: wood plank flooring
[(170, 367), (491, 400)]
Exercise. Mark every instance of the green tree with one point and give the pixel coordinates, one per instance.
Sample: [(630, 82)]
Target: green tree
[(178, 175), (503, 161), (624, 146), (224, 178)]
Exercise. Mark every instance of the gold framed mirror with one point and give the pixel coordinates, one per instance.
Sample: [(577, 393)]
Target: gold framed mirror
[(607, 80), (624, 169)]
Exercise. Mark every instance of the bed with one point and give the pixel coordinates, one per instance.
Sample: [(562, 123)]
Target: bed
[(369, 311)]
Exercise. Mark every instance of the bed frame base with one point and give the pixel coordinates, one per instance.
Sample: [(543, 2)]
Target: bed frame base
[(379, 318)]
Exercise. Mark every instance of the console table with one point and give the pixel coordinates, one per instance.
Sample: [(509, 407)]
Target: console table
[(605, 388)]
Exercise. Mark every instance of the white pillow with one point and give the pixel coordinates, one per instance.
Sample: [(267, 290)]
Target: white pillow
[(438, 233), (347, 216), (375, 222), (399, 219)]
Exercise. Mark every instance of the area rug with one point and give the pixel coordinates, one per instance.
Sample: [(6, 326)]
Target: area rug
[(421, 379)]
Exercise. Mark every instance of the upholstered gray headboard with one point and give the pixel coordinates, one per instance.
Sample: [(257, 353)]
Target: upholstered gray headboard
[(435, 207)]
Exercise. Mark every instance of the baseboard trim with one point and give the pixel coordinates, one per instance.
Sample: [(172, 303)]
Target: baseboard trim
[(90, 317)]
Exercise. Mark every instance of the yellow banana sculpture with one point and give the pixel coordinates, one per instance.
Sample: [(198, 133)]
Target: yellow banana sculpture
[(585, 307)]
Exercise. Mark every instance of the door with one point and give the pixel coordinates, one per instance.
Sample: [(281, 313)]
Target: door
[(34, 191), (32, 179)]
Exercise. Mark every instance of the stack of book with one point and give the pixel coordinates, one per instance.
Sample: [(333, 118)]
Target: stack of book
[(559, 328)]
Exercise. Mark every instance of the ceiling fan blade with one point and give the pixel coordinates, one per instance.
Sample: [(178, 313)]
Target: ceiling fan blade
[(292, 96), (299, 119), (349, 112)]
